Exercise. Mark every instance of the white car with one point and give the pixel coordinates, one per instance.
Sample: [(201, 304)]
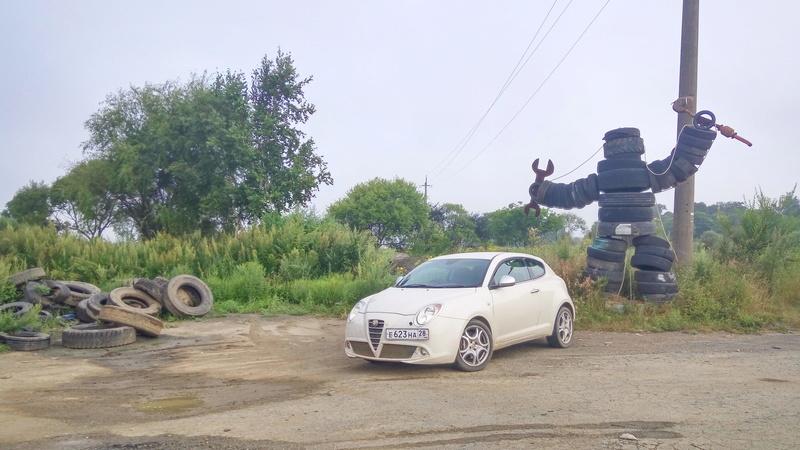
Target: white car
[(459, 309)]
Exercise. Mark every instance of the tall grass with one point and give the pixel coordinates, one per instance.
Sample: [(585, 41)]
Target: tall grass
[(748, 280), (294, 264)]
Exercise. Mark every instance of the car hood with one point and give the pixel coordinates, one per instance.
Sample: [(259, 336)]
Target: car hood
[(410, 300)]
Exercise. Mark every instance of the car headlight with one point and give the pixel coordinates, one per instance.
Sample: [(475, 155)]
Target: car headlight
[(427, 314), (356, 309)]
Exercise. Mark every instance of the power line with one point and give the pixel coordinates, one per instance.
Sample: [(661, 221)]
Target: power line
[(531, 97), (513, 75)]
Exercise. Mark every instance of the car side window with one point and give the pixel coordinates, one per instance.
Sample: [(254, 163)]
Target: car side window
[(515, 267), (536, 268)]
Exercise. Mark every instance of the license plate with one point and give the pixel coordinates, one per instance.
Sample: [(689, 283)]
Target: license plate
[(407, 333)]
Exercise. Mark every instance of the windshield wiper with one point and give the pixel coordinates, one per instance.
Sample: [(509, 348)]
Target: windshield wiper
[(415, 286)]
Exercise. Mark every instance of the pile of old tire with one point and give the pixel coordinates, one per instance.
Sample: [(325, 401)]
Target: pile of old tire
[(683, 161), (38, 290), (113, 318), (606, 260), (653, 260), (127, 312)]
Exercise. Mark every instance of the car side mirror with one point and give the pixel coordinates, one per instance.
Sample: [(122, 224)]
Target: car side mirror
[(507, 280)]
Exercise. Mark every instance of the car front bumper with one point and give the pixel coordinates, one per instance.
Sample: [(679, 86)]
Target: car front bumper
[(365, 337)]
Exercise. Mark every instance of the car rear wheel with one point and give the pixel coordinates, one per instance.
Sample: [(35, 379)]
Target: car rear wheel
[(562, 329), (475, 347)]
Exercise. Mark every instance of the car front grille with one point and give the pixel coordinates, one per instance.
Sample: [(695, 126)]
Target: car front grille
[(375, 331), (361, 348), (394, 351)]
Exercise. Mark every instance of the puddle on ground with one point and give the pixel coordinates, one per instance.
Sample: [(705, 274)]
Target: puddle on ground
[(168, 405)]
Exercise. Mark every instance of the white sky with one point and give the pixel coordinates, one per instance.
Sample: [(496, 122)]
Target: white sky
[(397, 85)]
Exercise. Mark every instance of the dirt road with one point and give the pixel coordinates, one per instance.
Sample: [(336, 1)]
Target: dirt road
[(252, 382)]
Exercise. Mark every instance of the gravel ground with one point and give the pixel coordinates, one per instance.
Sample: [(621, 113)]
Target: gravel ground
[(248, 382)]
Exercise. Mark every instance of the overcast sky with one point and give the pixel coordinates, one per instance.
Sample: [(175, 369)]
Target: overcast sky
[(398, 85)]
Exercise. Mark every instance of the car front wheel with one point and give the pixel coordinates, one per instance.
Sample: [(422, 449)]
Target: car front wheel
[(475, 347), (562, 329)]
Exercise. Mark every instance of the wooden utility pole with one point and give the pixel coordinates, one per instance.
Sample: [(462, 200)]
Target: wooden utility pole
[(426, 186), (683, 223)]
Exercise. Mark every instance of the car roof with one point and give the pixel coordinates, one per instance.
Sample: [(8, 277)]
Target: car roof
[(485, 255)]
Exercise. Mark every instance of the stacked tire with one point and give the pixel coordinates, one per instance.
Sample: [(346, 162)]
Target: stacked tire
[(606, 260), (653, 260), (622, 178), (683, 161)]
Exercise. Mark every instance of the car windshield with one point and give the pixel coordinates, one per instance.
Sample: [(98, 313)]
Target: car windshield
[(447, 273)]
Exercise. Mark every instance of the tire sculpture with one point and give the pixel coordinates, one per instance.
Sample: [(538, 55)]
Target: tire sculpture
[(626, 210)]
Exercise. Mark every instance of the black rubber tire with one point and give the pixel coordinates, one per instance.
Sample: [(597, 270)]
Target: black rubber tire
[(154, 288), (19, 279), (708, 135), (645, 287), (96, 335), (627, 199), (682, 169), (625, 228), (31, 294), (611, 276), (651, 262), (654, 187), (650, 240), (474, 331), (95, 302), (134, 299), (592, 190), (690, 158), (609, 266), (563, 329), (655, 250), (604, 165), (660, 166), (611, 244), (658, 298), (624, 132), (693, 141), (82, 312), (666, 181), (80, 291), (580, 198), (689, 150), (612, 287), (26, 341), (59, 292), (625, 145), (19, 308), (652, 276), (605, 255), (623, 180), (625, 214), (144, 324), (187, 295)]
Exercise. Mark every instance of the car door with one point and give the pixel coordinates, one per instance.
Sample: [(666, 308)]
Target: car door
[(516, 308)]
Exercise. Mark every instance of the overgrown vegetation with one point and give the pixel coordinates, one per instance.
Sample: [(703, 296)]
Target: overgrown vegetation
[(749, 280)]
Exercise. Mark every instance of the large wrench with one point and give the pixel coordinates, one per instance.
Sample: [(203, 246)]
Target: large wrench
[(533, 190)]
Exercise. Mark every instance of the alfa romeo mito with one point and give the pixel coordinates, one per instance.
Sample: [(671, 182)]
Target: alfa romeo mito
[(458, 309)]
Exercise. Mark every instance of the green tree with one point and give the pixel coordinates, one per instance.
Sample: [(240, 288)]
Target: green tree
[(391, 210), (456, 223), (82, 201), (213, 154), (511, 227), (30, 204)]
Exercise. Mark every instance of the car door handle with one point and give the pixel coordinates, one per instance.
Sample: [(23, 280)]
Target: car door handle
[(534, 291)]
